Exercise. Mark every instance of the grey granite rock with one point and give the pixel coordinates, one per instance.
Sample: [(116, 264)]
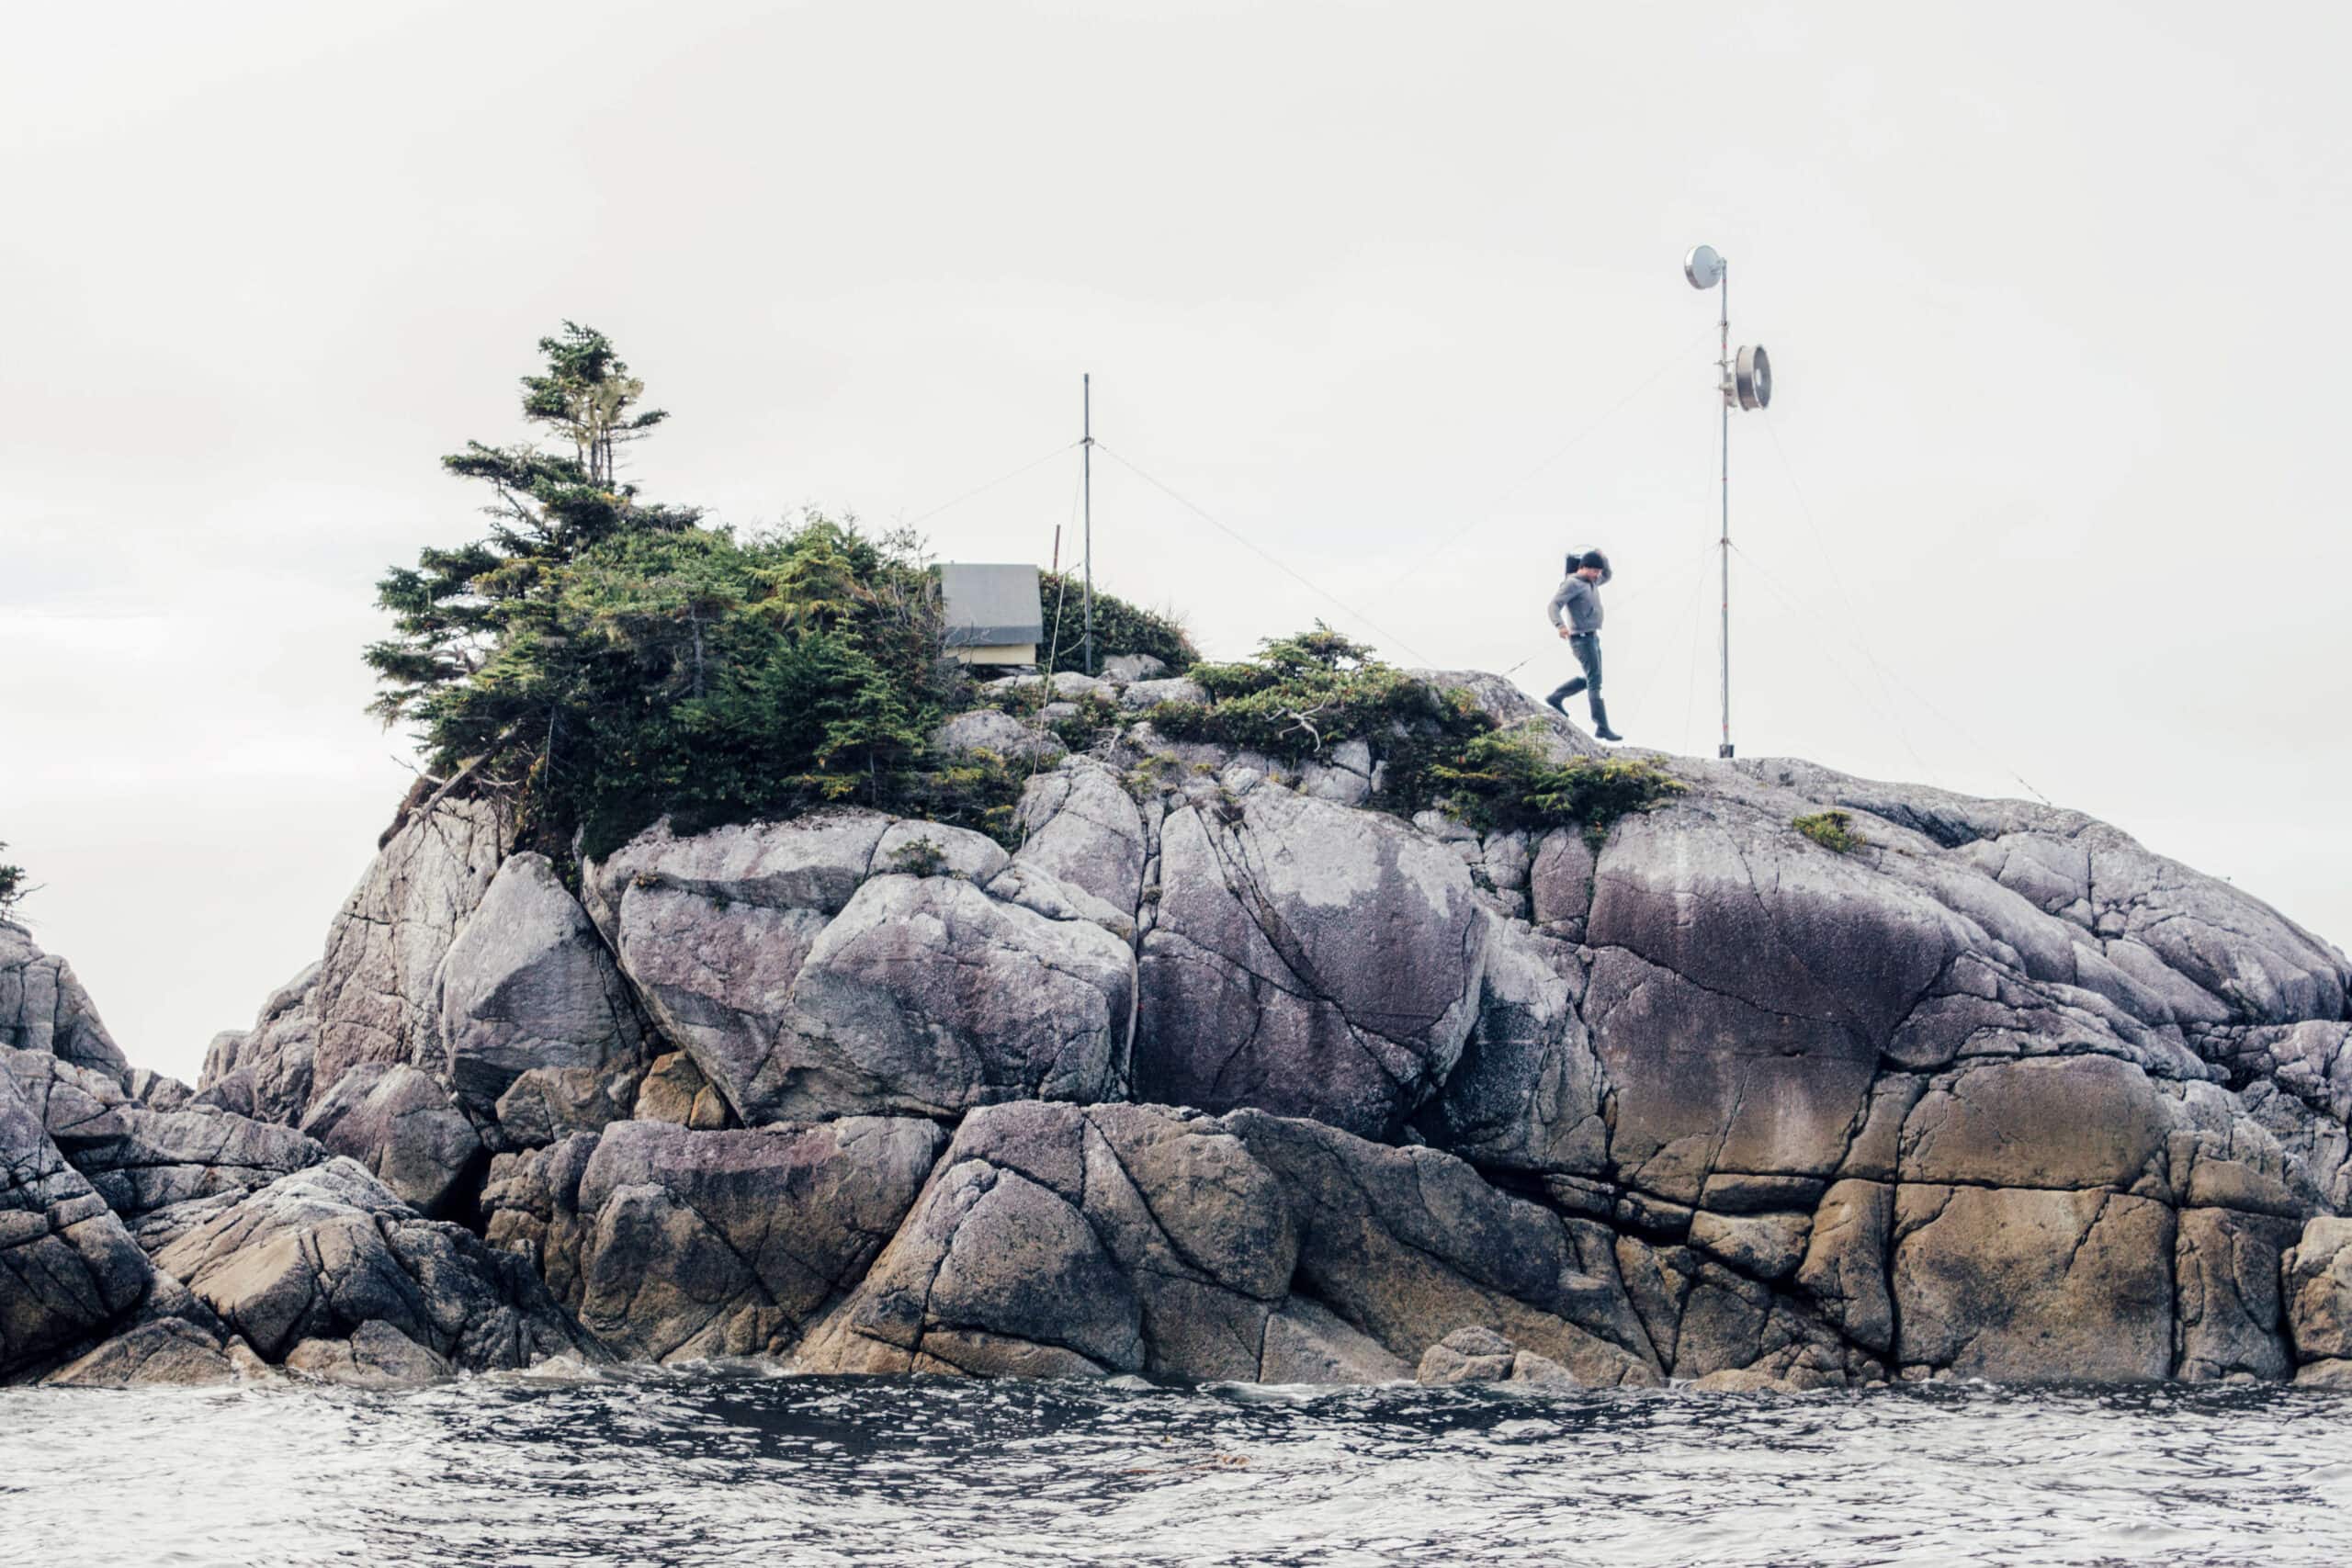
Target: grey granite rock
[(925, 995), (2316, 1277), (1079, 826), (67, 1266), (405, 1129), (527, 985), (316, 1254), (266, 1072), (675, 1245), (378, 996), (711, 929), (1264, 985), (44, 1008), (988, 731)]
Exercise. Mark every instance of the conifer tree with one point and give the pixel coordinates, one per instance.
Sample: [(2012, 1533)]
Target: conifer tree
[(458, 611)]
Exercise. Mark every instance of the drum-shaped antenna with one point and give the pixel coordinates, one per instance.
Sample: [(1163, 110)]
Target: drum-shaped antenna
[(1704, 267), (1751, 379)]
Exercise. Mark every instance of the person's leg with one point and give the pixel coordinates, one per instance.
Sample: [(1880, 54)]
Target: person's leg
[(1588, 648), (1569, 688), (1589, 655)]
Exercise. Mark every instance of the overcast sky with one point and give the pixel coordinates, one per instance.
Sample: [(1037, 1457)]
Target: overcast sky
[(2047, 495)]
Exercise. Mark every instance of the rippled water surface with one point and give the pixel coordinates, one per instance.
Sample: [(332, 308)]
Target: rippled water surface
[(665, 1469)]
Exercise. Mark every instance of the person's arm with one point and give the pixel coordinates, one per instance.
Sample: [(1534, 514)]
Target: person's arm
[(1559, 600), (1605, 572)]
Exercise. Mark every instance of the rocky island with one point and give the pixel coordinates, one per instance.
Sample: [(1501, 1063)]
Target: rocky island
[(1221, 1072), (746, 979)]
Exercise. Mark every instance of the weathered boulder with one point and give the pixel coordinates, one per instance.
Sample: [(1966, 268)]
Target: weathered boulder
[(925, 995), (1060, 1241), (1123, 669), (2316, 1278), (1307, 1343), (1081, 827), (1306, 959), (675, 1245), (378, 996), (711, 930), (141, 1161), (373, 1355), (44, 1008), (159, 1092), (2230, 1319), (67, 1266), (529, 986), (404, 1128), (169, 1351), (316, 1254), (998, 734)]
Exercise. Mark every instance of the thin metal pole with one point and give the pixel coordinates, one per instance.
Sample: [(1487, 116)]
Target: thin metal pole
[(1087, 485), (1725, 366)]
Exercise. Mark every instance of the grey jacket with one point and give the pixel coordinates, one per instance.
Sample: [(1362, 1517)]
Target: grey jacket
[(1582, 601)]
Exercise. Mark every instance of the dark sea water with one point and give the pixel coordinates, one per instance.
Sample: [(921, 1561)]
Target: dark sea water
[(720, 1469)]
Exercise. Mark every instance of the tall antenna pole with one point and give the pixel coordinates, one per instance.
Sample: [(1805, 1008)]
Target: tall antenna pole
[(1746, 382), (1086, 486), (1723, 326)]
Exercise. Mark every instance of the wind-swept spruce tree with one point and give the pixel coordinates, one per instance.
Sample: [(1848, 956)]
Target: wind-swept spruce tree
[(599, 661), (457, 610)]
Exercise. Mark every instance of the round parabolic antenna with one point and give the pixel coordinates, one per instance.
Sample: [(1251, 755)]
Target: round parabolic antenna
[(1704, 267), (1752, 377)]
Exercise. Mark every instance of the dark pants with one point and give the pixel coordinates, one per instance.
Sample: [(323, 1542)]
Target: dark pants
[(1587, 648)]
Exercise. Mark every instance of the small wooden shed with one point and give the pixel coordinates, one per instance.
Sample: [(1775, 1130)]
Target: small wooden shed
[(994, 615)]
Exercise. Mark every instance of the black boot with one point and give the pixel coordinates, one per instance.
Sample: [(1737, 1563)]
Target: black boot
[(1601, 722), (1562, 694)]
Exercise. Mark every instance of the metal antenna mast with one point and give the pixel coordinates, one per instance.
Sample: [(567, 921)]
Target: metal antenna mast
[(1745, 380), (1086, 448)]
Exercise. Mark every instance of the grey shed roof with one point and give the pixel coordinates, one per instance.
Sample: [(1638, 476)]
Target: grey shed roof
[(990, 605)]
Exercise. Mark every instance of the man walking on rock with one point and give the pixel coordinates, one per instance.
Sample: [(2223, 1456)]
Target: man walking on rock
[(1580, 596)]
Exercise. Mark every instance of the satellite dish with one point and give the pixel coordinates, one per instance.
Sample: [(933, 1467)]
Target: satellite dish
[(1704, 267), (1752, 379)]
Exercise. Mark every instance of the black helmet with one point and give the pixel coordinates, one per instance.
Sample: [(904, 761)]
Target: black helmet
[(1592, 559)]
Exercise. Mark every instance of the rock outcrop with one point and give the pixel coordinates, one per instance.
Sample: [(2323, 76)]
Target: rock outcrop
[(1212, 1070)]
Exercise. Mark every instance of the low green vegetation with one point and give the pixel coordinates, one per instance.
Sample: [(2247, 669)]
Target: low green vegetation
[(600, 660), (1831, 829), (1119, 628), (1303, 696), (918, 857)]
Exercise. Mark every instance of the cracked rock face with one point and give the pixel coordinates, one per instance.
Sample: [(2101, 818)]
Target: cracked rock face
[(849, 963), (67, 1266), (1070, 1241), (43, 1008), (1307, 959), (142, 1160), (264, 1072), (676, 1246), (377, 1000), (324, 1252), (529, 986)]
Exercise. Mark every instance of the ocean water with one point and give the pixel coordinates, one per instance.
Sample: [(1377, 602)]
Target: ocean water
[(715, 1468)]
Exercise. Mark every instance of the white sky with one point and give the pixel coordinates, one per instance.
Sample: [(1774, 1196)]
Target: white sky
[(2050, 291)]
